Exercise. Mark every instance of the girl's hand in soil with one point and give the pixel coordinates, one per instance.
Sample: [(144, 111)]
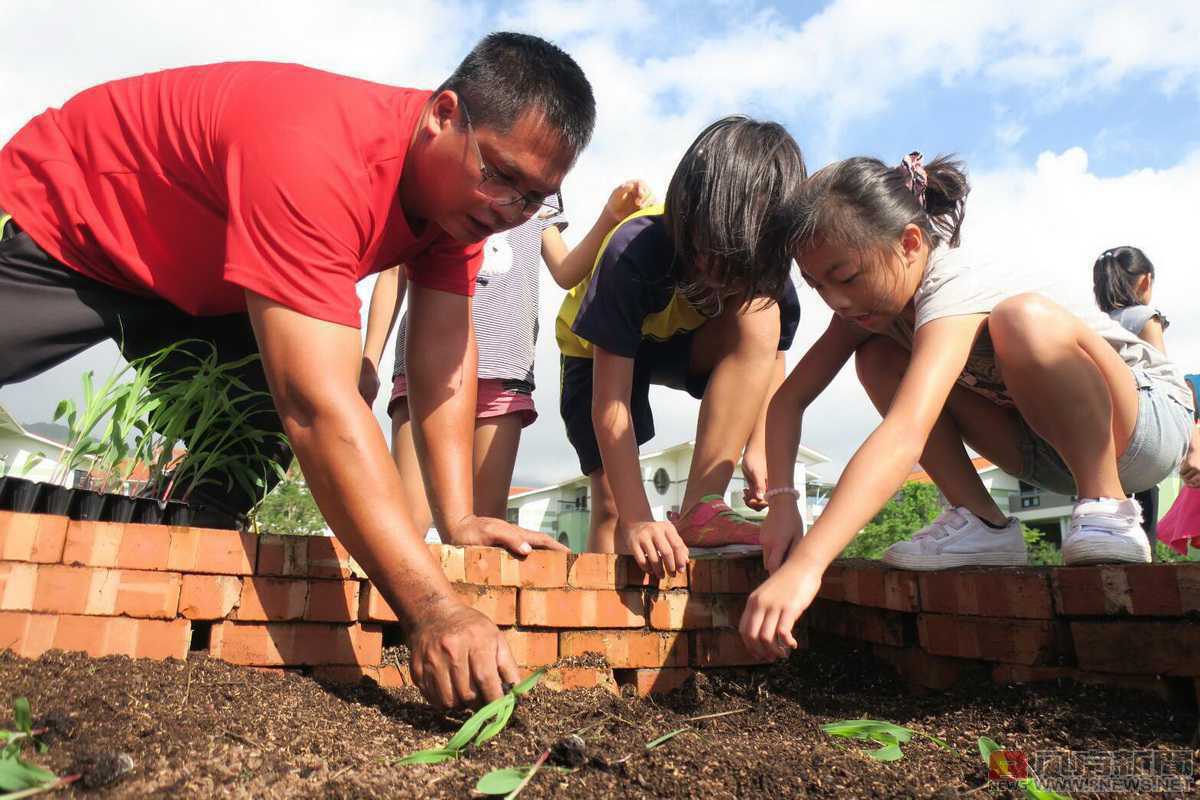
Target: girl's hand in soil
[(492, 532), (655, 546), (783, 528), (773, 608), (459, 658)]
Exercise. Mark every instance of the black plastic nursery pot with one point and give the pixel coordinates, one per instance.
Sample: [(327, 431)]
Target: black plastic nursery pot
[(118, 508), (85, 505), (149, 510), (52, 499), (177, 513), (19, 495)]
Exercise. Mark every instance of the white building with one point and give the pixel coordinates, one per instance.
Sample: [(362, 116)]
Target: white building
[(24, 454), (563, 509)]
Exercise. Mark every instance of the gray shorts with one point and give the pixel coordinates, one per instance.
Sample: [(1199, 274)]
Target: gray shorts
[(1159, 442)]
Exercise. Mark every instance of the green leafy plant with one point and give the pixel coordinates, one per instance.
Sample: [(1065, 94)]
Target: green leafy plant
[(889, 737), (289, 508), (993, 758), (914, 506), (483, 725), (19, 778)]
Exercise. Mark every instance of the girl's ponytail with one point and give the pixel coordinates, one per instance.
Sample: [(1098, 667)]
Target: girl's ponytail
[(946, 197), (1115, 277)]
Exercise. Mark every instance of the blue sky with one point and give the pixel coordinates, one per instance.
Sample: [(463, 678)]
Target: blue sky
[(1078, 120)]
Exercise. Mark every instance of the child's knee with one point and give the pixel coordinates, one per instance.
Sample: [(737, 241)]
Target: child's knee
[(1025, 318), (877, 358)]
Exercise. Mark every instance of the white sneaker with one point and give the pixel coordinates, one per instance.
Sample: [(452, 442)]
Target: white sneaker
[(958, 538), (1106, 531)]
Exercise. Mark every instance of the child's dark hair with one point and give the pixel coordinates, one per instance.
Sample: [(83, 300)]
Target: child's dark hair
[(865, 203), (731, 206), (509, 74), (1115, 277)]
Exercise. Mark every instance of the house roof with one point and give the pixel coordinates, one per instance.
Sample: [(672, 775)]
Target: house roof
[(10, 425), (980, 463)]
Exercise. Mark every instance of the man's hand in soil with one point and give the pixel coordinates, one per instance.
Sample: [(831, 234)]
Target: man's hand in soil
[(498, 533), (773, 608), (459, 658)]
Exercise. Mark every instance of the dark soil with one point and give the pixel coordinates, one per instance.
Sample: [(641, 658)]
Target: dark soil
[(207, 729)]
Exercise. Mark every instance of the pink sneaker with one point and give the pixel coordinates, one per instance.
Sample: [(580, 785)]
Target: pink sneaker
[(712, 523)]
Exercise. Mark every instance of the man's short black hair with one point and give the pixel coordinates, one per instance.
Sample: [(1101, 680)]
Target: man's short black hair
[(509, 74)]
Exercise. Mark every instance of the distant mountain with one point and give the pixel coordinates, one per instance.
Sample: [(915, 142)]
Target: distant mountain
[(50, 430)]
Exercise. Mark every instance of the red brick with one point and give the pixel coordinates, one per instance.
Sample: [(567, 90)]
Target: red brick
[(611, 571), (17, 585), (561, 679), (923, 669), (532, 648), (581, 608), (725, 575), (646, 682), (332, 601), (452, 561), (1015, 641), (870, 583), (1168, 590), (388, 675), (143, 546), (273, 599), (1007, 592), (212, 551), (282, 555), (542, 569), (106, 592), (725, 648), (1146, 648), (100, 636), (27, 635), (489, 566), (372, 607), (329, 558), (627, 648), (1008, 674), (688, 611), (209, 596), (32, 537), (497, 603), (861, 623), (301, 643), (92, 544), (142, 593)]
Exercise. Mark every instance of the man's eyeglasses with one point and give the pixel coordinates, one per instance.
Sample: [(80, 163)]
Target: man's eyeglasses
[(501, 191)]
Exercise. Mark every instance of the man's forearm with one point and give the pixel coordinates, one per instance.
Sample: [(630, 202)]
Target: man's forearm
[(354, 482)]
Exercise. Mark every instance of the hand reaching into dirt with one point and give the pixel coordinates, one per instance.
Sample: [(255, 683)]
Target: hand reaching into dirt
[(754, 470), (629, 197), (783, 527), (494, 532), (459, 658), (655, 546), (773, 608)]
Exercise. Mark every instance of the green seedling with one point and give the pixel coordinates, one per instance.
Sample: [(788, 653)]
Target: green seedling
[(889, 737), (1030, 786), (509, 781), (19, 778), (666, 737), (484, 724)]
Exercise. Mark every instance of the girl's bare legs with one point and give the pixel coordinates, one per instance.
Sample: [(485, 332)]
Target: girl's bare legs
[(988, 428), (404, 453), (496, 443)]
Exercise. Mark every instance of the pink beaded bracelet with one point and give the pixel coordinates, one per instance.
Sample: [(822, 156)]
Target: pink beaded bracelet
[(794, 492)]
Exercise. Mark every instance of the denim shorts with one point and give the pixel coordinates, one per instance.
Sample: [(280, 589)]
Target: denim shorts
[(1159, 442)]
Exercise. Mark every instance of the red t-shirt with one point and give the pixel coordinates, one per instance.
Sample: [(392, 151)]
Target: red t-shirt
[(196, 184)]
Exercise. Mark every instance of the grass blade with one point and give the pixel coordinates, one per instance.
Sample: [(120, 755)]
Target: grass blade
[(502, 781), (666, 737)]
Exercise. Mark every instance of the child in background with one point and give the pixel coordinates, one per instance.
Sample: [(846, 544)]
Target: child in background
[(954, 347), (504, 313), (1181, 524), (695, 295), (1123, 281)]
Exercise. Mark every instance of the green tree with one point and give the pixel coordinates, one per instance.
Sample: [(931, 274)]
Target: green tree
[(914, 506), (289, 508)]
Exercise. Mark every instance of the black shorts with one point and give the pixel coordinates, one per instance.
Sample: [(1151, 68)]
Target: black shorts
[(49, 313), (658, 363)]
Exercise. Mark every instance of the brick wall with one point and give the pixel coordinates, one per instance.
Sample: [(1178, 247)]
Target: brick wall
[(281, 602)]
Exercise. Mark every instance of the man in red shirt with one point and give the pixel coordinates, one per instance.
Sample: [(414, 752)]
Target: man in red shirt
[(239, 204)]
